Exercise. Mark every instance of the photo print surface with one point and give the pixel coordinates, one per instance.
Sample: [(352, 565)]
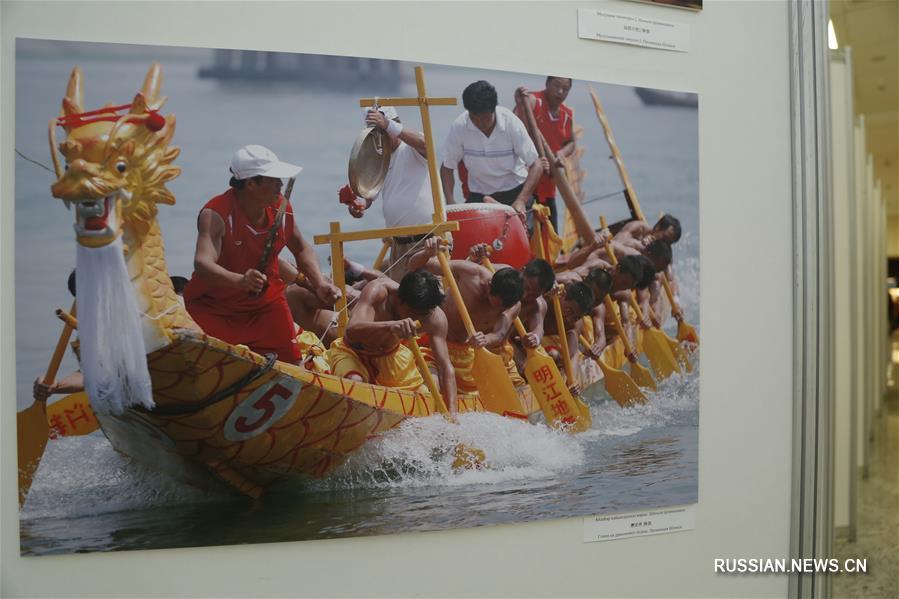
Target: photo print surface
[(171, 417)]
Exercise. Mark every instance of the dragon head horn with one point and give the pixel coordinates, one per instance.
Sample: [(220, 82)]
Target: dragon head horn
[(139, 104), (73, 102), (152, 84)]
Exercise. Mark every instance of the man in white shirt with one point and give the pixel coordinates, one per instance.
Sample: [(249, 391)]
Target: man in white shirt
[(501, 159), (406, 193)]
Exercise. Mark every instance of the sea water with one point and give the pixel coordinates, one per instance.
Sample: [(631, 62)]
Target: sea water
[(87, 497)]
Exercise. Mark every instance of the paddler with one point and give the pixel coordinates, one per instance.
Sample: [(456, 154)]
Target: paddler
[(372, 350), (231, 295), (74, 381), (576, 302), (639, 234), (631, 273), (555, 121), (659, 254), (539, 279), (405, 195), (493, 302), (493, 144)]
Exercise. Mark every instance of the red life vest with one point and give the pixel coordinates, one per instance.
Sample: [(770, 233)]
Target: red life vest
[(242, 248), (556, 131)]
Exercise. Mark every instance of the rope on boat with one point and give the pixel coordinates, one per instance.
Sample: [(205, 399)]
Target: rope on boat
[(603, 197), (230, 390)]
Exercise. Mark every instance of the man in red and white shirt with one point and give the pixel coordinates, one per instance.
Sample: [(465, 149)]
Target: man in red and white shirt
[(229, 295), (556, 122)]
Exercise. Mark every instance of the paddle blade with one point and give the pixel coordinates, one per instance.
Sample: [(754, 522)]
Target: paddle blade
[(620, 386), (641, 376), (680, 354), (494, 387), (466, 457), (71, 416), (686, 333), (661, 359), (31, 431), (559, 407)]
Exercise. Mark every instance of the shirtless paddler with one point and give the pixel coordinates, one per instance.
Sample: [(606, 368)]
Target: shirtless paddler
[(371, 349)]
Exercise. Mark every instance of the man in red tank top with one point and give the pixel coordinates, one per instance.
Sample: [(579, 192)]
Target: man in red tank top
[(556, 122), (229, 295)]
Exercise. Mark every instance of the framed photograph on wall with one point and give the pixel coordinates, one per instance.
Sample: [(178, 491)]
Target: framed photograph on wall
[(233, 446)]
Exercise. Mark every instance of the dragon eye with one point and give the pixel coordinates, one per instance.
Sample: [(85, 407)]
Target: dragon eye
[(120, 166)]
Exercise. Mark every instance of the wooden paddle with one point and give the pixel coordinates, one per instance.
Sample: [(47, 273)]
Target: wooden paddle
[(496, 391), (559, 407), (639, 372), (686, 334), (31, 423), (71, 416), (685, 331), (464, 456), (680, 354), (620, 386), (572, 204), (655, 346), (539, 215), (426, 375)]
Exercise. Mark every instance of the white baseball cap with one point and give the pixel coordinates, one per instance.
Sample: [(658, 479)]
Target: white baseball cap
[(253, 160)]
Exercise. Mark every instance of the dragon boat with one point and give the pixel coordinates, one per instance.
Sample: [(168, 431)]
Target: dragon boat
[(209, 406)]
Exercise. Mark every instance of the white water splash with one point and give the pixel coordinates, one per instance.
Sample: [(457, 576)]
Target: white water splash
[(675, 402), (113, 357), (83, 476), (421, 451)]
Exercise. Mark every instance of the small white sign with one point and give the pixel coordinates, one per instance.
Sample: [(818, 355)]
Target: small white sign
[(602, 25), (639, 524)]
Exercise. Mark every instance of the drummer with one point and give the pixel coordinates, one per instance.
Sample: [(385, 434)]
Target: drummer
[(493, 303), (493, 144), (406, 192)]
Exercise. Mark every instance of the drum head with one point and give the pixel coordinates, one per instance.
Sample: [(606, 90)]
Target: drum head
[(369, 160), (494, 224)]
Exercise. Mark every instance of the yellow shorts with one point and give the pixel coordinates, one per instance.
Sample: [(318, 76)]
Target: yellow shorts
[(395, 369), (508, 356), (552, 342), (462, 358)]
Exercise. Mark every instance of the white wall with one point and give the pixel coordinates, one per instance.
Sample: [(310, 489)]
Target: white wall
[(739, 64), (842, 169)]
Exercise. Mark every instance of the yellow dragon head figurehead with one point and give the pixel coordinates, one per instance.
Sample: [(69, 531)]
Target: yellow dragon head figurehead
[(117, 161)]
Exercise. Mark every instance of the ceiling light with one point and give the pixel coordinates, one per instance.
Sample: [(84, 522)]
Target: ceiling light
[(831, 36)]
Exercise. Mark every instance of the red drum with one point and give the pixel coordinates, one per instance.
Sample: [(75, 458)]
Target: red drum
[(497, 225)]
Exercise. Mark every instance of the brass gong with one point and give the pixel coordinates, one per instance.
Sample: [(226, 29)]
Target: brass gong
[(369, 160)]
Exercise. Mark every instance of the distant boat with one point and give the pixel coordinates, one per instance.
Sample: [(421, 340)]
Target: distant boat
[(303, 68), (657, 97)]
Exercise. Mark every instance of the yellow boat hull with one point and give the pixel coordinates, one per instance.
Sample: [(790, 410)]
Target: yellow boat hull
[(254, 424), (223, 408)]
